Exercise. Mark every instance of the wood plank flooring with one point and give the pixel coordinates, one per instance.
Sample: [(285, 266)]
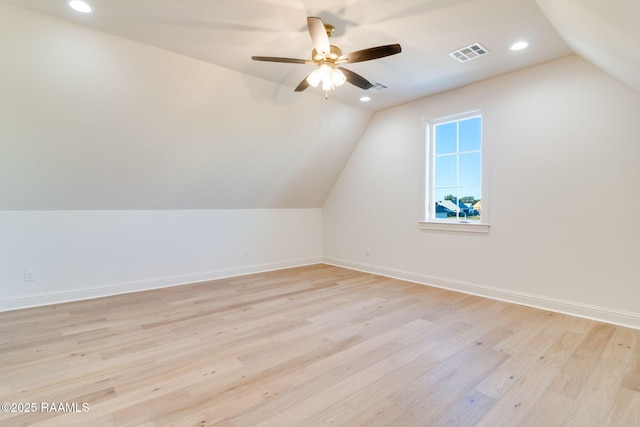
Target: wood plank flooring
[(314, 346)]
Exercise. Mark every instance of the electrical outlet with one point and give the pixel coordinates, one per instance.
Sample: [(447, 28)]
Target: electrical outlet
[(367, 251), (29, 275), (247, 252)]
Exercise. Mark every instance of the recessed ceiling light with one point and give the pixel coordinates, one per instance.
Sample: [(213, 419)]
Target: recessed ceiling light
[(79, 6), (519, 45), (365, 99)]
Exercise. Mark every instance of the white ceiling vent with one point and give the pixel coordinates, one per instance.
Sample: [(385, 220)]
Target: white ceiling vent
[(378, 87), (470, 52)]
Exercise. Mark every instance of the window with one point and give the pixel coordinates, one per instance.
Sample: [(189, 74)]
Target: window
[(454, 174)]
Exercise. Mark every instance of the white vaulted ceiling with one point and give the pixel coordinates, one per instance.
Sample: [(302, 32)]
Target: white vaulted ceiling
[(602, 32), (228, 33), (156, 104), (93, 121)]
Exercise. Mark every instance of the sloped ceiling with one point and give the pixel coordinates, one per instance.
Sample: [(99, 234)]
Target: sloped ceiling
[(155, 104), (228, 33), (93, 121), (606, 33)]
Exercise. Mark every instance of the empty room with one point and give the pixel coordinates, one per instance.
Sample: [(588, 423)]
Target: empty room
[(296, 213)]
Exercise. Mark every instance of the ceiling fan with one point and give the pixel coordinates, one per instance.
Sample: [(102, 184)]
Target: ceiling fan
[(329, 59)]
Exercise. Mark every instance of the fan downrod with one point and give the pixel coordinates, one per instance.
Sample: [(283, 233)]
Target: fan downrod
[(330, 29)]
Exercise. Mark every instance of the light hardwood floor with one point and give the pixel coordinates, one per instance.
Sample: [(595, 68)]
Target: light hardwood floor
[(311, 346)]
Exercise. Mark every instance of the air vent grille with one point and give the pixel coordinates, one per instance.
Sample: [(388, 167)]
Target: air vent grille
[(378, 87), (469, 52)]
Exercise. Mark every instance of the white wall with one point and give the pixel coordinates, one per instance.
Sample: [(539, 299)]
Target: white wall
[(84, 254), (564, 146), (125, 167)]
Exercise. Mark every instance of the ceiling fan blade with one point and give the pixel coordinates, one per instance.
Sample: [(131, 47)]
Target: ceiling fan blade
[(284, 60), (356, 79), (319, 35), (371, 53), (303, 85)]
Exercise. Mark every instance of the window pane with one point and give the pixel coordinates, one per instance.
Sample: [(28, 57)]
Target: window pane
[(455, 180), (445, 193), (470, 170), (445, 203), (471, 204), (470, 195), (446, 138), (446, 171), (470, 134)]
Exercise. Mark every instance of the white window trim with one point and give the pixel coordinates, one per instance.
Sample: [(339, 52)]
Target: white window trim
[(465, 227), (427, 223)]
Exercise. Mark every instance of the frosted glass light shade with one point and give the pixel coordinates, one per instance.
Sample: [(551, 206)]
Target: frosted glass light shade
[(337, 77), (314, 78), (327, 75)]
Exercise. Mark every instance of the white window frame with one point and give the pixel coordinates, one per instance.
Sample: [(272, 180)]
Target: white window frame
[(428, 220)]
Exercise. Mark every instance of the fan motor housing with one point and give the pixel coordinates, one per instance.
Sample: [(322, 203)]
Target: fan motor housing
[(335, 54)]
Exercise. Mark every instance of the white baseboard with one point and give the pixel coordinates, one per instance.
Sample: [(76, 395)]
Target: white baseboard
[(145, 285), (603, 314)]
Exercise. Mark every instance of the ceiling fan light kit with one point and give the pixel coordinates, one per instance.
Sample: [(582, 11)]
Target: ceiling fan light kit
[(329, 59), (330, 77)]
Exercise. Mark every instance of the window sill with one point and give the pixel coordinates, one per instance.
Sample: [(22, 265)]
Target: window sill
[(464, 227)]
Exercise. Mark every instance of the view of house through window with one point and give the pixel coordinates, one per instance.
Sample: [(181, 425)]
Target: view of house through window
[(455, 178)]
